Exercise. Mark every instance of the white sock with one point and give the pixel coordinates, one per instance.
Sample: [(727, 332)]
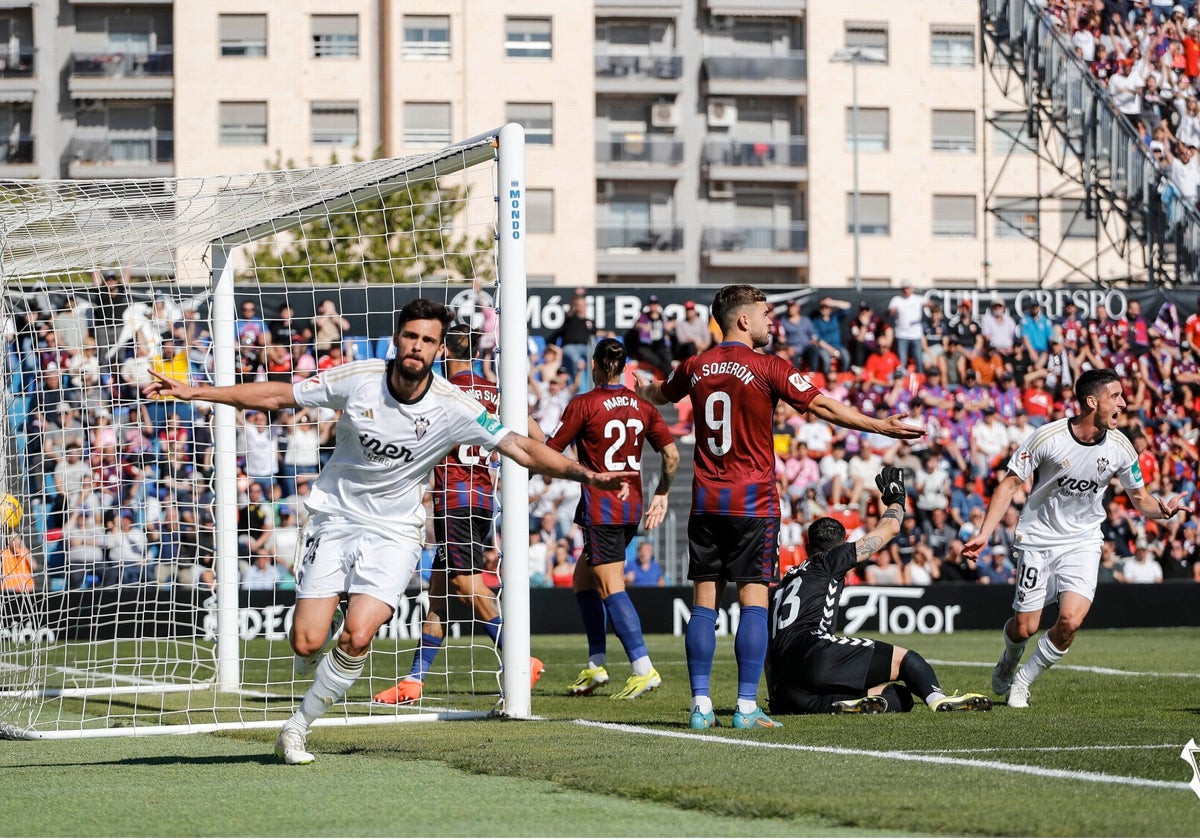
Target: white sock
[(933, 697), (702, 703), (641, 666), (336, 673), (747, 706), (597, 661), (1044, 656)]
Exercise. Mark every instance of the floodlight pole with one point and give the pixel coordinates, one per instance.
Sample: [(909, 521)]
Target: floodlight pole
[(855, 56)]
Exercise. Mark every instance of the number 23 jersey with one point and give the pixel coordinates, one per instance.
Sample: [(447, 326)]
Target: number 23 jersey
[(609, 426), (734, 392)]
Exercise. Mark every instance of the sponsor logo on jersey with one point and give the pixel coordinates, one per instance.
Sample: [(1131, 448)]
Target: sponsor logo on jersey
[(312, 383), (1078, 485), (378, 452), (1137, 472), (489, 422), (420, 427)]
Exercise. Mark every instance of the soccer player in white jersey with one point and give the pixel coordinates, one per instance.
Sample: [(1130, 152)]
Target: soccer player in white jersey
[(1071, 463), (367, 523)]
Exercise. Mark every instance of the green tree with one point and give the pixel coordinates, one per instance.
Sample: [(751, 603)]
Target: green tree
[(407, 236)]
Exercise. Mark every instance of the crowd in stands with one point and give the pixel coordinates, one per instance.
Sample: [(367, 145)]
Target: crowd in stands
[(120, 489), (1145, 54)]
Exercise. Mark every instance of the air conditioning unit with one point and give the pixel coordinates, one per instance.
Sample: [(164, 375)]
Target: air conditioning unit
[(720, 189), (664, 115), (722, 113)]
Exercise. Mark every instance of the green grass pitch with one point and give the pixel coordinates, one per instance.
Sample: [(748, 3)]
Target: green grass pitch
[(1097, 754)]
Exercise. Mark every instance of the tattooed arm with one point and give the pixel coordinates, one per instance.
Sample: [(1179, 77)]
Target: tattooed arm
[(881, 534)]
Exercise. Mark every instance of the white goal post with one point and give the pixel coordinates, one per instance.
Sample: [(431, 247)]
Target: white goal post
[(145, 582)]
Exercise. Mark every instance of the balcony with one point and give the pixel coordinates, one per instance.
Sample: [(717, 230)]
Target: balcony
[(16, 158), (639, 156), (122, 75), (17, 83), (129, 154), (638, 8), (638, 73), (757, 76), (757, 8), (783, 246), (729, 159), (639, 249)]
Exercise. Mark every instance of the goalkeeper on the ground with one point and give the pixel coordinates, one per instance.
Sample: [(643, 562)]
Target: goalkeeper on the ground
[(812, 670)]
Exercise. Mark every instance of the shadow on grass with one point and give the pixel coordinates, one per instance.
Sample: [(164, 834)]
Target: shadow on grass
[(266, 758)]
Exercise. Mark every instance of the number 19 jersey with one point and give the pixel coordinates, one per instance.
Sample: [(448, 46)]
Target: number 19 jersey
[(608, 426), (734, 392)]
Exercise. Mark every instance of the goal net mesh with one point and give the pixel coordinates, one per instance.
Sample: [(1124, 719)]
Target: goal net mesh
[(120, 597)]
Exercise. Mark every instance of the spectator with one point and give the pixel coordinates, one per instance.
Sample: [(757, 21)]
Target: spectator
[(693, 334), (650, 340), (127, 552), (998, 328), (575, 337), (796, 330), (997, 569), (1111, 569), (644, 569), (1144, 568), (562, 565), (907, 311), (329, 328), (865, 331), (16, 567), (1036, 330), (924, 568), (264, 573), (828, 327)]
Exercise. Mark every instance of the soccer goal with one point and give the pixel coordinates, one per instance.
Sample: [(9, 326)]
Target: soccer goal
[(146, 584)]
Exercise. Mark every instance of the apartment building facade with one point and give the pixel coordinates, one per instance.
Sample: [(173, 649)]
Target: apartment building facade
[(670, 141)]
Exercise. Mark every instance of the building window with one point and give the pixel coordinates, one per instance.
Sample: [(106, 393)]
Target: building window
[(335, 36), (875, 214), (1017, 217), (243, 123), (872, 130), (954, 131), (1075, 223), (870, 35), (1009, 134), (527, 37), (952, 47), (335, 123), (426, 37), (954, 215), (539, 211), (243, 36), (537, 119), (427, 123)]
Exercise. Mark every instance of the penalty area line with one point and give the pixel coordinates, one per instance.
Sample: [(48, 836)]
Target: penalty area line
[(897, 755)]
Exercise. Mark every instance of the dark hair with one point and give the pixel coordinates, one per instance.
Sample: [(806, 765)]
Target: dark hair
[(609, 357), (824, 534), (460, 343), (1091, 382), (729, 299), (424, 309)]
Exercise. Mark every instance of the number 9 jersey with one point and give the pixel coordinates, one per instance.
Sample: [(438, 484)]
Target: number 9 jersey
[(609, 426), (734, 391)]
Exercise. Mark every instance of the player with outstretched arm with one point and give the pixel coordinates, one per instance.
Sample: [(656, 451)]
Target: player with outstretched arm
[(366, 528), (1071, 463), (811, 670), (733, 530), (463, 510), (608, 426)]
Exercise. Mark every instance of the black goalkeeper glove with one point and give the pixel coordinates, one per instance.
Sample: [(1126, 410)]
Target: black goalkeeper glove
[(890, 482)]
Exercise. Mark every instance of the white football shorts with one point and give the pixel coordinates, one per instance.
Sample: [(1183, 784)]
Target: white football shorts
[(335, 555), (1044, 573)]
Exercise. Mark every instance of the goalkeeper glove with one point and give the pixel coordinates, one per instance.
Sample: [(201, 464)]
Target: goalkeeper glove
[(890, 482)]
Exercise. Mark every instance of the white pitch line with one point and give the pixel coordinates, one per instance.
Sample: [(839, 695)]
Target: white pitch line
[(1093, 669), (1094, 748), (896, 755)]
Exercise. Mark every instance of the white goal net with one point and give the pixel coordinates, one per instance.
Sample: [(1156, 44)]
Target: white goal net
[(148, 546)]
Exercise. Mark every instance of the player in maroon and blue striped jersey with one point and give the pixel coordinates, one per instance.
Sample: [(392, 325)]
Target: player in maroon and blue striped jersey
[(609, 425), (734, 525), (463, 507)]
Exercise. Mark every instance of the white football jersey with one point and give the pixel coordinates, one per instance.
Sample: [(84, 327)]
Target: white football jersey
[(385, 448), (1066, 505)]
